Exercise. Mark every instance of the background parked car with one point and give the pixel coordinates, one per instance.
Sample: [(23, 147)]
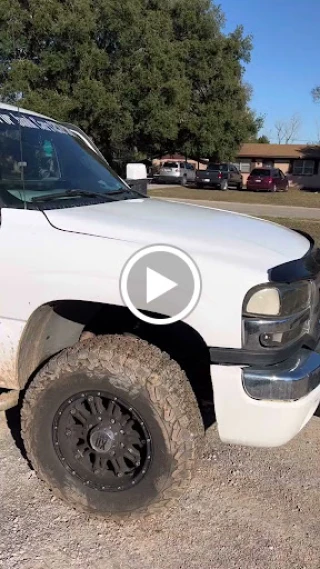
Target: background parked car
[(220, 175), (270, 179), (178, 172)]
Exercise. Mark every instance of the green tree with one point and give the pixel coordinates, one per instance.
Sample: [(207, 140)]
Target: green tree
[(147, 76), (263, 139)]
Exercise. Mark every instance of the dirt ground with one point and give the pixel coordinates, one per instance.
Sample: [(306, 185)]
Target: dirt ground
[(247, 509)]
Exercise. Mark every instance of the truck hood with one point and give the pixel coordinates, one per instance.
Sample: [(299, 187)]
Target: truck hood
[(195, 229)]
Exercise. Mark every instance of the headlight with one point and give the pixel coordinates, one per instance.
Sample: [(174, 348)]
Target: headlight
[(282, 300), (275, 316), (264, 301)]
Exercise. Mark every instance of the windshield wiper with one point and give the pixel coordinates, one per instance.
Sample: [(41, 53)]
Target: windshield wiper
[(127, 190), (78, 193), (120, 191)]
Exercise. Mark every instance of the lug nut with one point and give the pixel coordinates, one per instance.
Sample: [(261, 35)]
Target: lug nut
[(112, 421), (121, 432), (68, 432)]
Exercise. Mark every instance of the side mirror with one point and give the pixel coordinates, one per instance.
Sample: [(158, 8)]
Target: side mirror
[(136, 172), (136, 177)]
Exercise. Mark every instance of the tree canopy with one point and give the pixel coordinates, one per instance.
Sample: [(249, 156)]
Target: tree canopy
[(142, 77)]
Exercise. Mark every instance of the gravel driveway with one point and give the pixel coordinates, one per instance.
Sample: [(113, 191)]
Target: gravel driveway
[(247, 509)]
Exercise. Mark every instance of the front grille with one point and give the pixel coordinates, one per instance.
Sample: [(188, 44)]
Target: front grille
[(314, 328)]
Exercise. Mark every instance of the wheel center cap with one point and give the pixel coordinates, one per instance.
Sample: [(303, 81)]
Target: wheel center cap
[(102, 440)]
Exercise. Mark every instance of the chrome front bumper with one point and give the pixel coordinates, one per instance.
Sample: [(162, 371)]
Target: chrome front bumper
[(286, 381)]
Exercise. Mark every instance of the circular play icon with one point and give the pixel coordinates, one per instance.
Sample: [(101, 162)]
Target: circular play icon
[(161, 280)]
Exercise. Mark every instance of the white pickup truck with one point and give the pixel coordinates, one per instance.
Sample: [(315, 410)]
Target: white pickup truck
[(112, 406)]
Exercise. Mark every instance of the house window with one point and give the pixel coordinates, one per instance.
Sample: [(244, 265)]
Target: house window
[(303, 167), (243, 166)]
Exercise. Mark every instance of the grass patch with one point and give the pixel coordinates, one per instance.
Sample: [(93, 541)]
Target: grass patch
[(293, 197), (306, 225)]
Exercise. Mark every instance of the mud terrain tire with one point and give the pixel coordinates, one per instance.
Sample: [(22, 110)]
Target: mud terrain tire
[(140, 379)]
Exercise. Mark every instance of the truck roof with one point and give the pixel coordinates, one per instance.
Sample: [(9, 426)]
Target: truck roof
[(6, 107)]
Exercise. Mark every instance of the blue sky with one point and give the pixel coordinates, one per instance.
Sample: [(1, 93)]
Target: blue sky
[(285, 63)]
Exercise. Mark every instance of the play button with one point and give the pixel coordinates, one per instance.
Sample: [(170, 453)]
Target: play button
[(160, 284), (157, 285)]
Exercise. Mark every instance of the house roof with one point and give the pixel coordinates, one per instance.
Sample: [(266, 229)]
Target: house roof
[(257, 150), (173, 157)]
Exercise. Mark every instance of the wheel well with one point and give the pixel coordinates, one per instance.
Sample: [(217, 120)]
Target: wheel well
[(56, 326)]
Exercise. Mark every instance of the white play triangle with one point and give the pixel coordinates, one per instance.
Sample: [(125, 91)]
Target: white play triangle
[(157, 285)]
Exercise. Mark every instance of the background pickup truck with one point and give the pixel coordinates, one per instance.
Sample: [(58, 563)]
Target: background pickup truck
[(221, 176)]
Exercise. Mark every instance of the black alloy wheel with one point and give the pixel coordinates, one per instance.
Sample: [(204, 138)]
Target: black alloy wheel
[(102, 440)]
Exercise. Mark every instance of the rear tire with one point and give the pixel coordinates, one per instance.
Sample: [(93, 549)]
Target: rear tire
[(199, 186), (239, 186), (138, 394)]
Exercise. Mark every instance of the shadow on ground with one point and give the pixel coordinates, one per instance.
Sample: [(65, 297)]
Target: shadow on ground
[(14, 424)]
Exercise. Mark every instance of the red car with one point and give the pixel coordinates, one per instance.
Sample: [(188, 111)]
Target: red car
[(268, 179)]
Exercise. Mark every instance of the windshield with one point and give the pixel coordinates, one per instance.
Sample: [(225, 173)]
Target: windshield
[(261, 172), (218, 167), (42, 158), (171, 165)]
